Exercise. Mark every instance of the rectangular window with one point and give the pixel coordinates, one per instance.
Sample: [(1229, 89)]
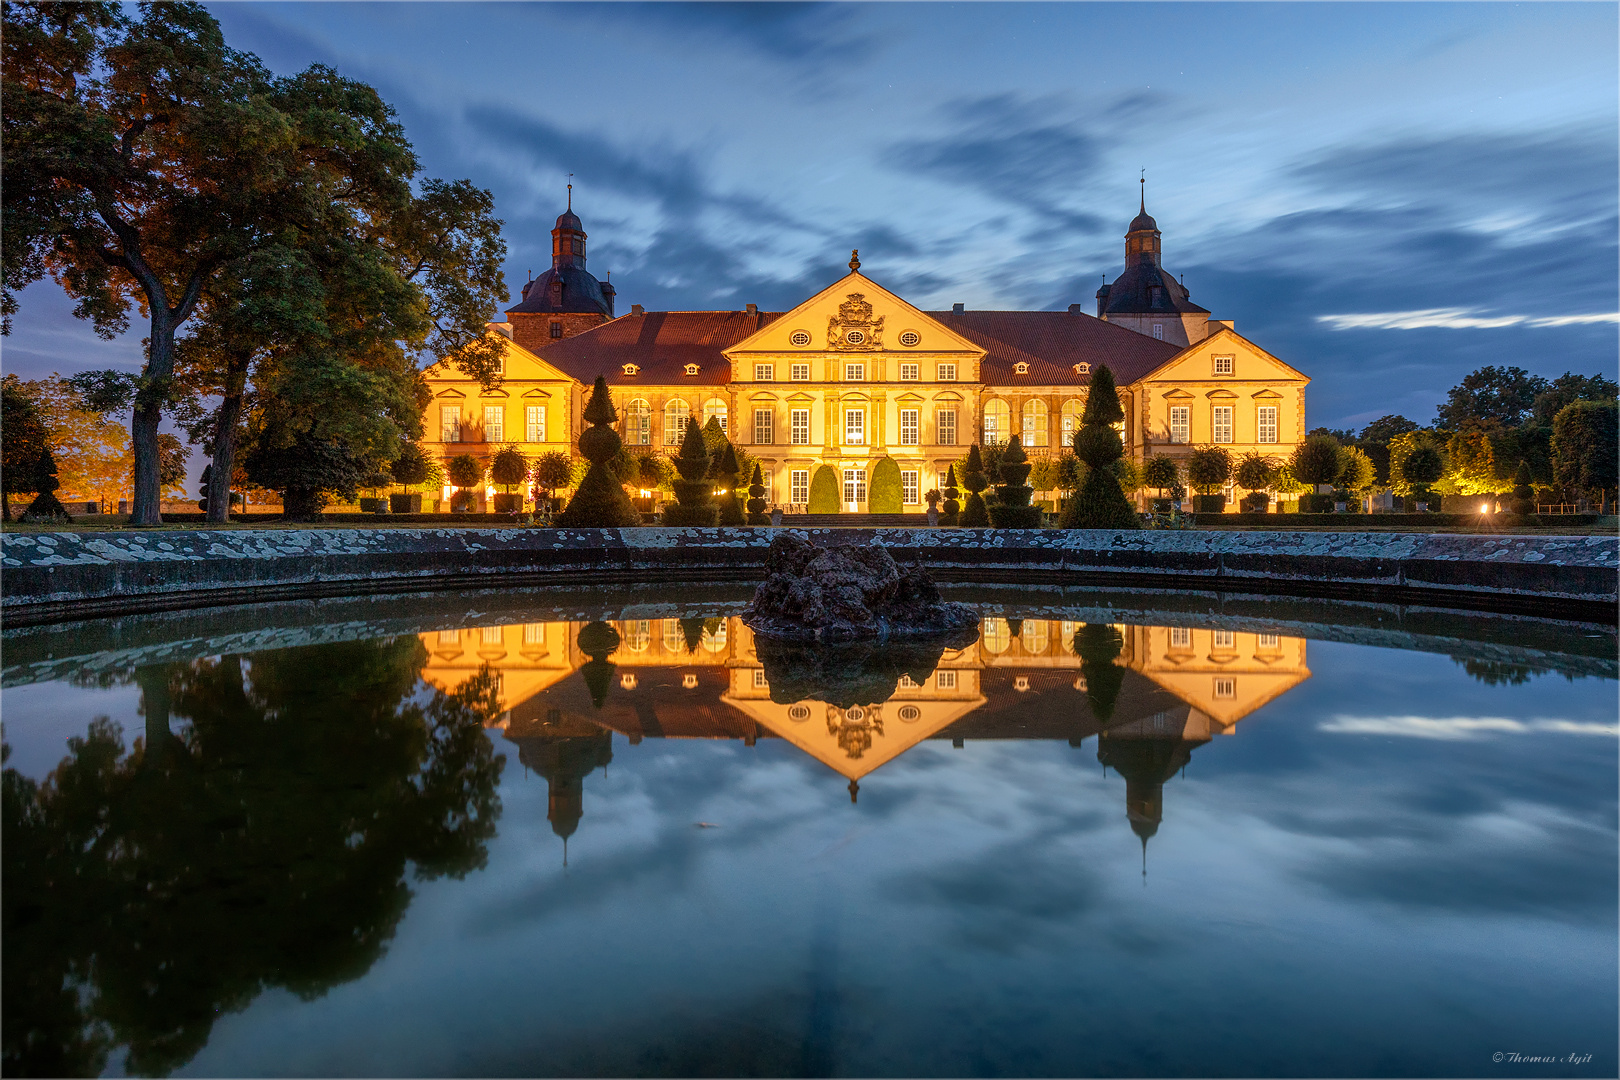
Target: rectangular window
[(449, 637), (799, 432), (534, 633), (494, 423), (945, 427), (909, 493), (798, 486), (759, 679), (1225, 687), (854, 428), (1267, 424), (908, 427), (1223, 365), (764, 372), (491, 635), (1180, 637), (1158, 331), (854, 486), (1268, 641), (1181, 423), (450, 423), (906, 683), (556, 329), (854, 372), (1223, 639), (536, 423), (1221, 422), (799, 372), (947, 373), (764, 427), (908, 372), (945, 680)]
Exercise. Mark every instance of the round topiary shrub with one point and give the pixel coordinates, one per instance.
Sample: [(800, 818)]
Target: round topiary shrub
[(756, 500), (885, 495), (824, 491), (1013, 510), (951, 508), (975, 514)]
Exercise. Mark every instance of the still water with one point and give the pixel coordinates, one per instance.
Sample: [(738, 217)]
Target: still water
[(627, 841)]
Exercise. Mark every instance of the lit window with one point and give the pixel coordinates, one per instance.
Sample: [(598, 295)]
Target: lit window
[(632, 369), (1221, 423), (909, 493), (450, 423), (910, 338), (691, 369), (996, 421), (1082, 369), (946, 373), (945, 680), (906, 683), (1073, 410), (494, 423), (627, 682), (908, 372), (1021, 368), (945, 427), (689, 681), (908, 427), (676, 414), (798, 486), (715, 409), (799, 338), (996, 635), (535, 416), (764, 427), (764, 372), (799, 373), (1158, 331), (638, 634), (854, 486), (1267, 424), (1036, 636), (1223, 365), (1180, 423), (449, 637), (854, 372), (674, 636), (1225, 688), (1036, 429), (799, 427), (799, 713), (854, 428), (534, 633), (637, 422), (715, 640), (1223, 639)]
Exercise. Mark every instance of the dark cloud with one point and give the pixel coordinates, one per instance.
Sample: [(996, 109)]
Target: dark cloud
[(810, 34)]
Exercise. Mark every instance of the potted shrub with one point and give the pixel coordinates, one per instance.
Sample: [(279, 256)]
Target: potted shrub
[(409, 469), (465, 473), (1314, 462), (932, 497), (1256, 473), (1423, 466), (509, 468), (1160, 473), (1208, 470)]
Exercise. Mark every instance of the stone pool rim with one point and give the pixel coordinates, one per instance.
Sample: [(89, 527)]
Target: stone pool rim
[(63, 577)]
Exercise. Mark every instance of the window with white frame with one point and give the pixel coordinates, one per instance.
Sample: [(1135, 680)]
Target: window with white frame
[(908, 427), (759, 679), (637, 422), (1036, 429), (764, 427), (491, 635), (909, 493), (450, 423), (854, 372), (945, 680), (945, 427), (799, 372), (494, 423), (764, 372), (799, 427), (534, 633), (1181, 423), (1223, 639), (1266, 423), (798, 486), (535, 423), (715, 409), (1221, 424), (1158, 331), (1268, 641), (946, 373), (909, 372), (676, 414), (1180, 637), (1225, 687), (997, 421), (854, 427), (1223, 365), (854, 486)]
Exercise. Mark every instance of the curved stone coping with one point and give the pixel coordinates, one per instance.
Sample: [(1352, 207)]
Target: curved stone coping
[(46, 577)]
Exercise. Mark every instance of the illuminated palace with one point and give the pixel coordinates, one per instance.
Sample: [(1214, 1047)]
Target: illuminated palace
[(1167, 692), (855, 374)]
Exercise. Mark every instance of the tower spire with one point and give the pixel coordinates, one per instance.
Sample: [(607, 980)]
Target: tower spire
[(1144, 191), (570, 191)]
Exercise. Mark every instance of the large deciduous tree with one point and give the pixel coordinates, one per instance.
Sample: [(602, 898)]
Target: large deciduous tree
[(1584, 447), (1491, 396)]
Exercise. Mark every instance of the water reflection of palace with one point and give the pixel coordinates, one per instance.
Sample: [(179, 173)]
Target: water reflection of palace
[(1150, 694)]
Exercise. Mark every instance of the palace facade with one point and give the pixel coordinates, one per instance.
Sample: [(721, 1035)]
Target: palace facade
[(856, 373)]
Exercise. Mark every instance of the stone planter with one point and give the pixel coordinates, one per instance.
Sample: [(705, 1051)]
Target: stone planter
[(508, 504), (373, 506), (405, 504), (1209, 504)]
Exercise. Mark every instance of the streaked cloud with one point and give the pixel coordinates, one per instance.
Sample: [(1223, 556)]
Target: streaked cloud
[(1460, 727), (1454, 319)]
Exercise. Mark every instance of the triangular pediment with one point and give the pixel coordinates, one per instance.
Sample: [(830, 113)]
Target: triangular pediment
[(1249, 363), (852, 317)]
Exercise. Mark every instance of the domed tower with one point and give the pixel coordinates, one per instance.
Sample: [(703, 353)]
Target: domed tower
[(565, 761), (1145, 298), (565, 300)]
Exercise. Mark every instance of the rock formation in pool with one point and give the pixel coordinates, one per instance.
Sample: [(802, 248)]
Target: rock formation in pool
[(852, 593)]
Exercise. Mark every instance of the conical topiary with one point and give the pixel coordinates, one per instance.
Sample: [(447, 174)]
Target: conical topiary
[(731, 506), (756, 500), (600, 502), (1100, 503), (1097, 645), (1013, 511), (692, 490), (597, 640), (974, 515), (951, 508), (46, 506)]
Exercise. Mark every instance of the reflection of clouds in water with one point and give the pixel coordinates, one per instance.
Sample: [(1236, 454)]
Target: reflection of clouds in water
[(1460, 727)]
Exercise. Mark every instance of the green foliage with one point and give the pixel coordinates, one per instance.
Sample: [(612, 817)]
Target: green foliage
[(599, 442), (756, 499), (1400, 448), (973, 474), (824, 493), (974, 515), (727, 474), (1128, 473), (26, 464), (1160, 472), (1584, 447), (508, 467), (1102, 402), (308, 472), (1098, 446), (952, 507), (1256, 471), (465, 471), (693, 490), (600, 501), (1523, 500), (1210, 467), (884, 494), (655, 473), (1013, 510), (411, 467), (1385, 428), (1356, 471), (1099, 504), (1470, 465), (1421, 469), (552, 470), (1098, 645), (1316, 460), (1491, 396), (1567, 389)]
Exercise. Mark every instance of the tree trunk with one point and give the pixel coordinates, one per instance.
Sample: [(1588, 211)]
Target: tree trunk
[(148, 414), (155, 701), (219, 475)]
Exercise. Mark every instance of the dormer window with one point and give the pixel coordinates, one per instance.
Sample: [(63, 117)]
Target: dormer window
[(1223, 365), (1082, 369), (691, 369), (1021, 368), (632, 369)]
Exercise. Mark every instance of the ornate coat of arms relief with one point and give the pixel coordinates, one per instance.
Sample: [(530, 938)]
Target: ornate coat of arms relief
[(853, 329)]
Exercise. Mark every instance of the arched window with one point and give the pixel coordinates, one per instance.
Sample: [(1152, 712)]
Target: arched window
[(637, 422), (715, 640), (676, 413), (997, 421), (638, 634), (1036, 635), (674, 636), (995, 635), (715, 407), (1073, 409), (1035, 428)]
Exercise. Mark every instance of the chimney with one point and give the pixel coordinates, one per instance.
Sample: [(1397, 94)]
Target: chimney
[(504, 328), (637, 309), (956, 309), (752, 309), (1076, 309)]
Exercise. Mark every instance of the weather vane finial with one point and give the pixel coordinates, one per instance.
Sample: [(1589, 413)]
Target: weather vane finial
[(855, 259), (1144, 191), (570, 192)]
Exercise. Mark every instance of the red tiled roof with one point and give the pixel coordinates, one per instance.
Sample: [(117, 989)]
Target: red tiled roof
[(661, 343), (1051, 343)]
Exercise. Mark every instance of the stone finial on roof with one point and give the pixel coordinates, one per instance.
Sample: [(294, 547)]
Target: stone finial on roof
[(855, 259)]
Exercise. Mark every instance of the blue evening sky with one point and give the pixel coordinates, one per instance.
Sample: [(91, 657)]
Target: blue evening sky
[(1386, 196)]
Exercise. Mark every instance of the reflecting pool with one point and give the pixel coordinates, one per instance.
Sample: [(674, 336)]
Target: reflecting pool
[(626, 838)]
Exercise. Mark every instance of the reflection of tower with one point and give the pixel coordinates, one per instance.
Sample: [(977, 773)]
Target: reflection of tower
[(1147, 753), (565, 759)]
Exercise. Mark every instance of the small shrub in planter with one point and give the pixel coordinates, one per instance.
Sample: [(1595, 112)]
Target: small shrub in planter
[(1316, 504), (463, 502), (508, 503), (369, 505), (1209, 504), (405, 504), (1255, 502)]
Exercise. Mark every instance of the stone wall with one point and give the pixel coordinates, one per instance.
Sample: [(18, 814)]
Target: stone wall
[(48, 577)]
